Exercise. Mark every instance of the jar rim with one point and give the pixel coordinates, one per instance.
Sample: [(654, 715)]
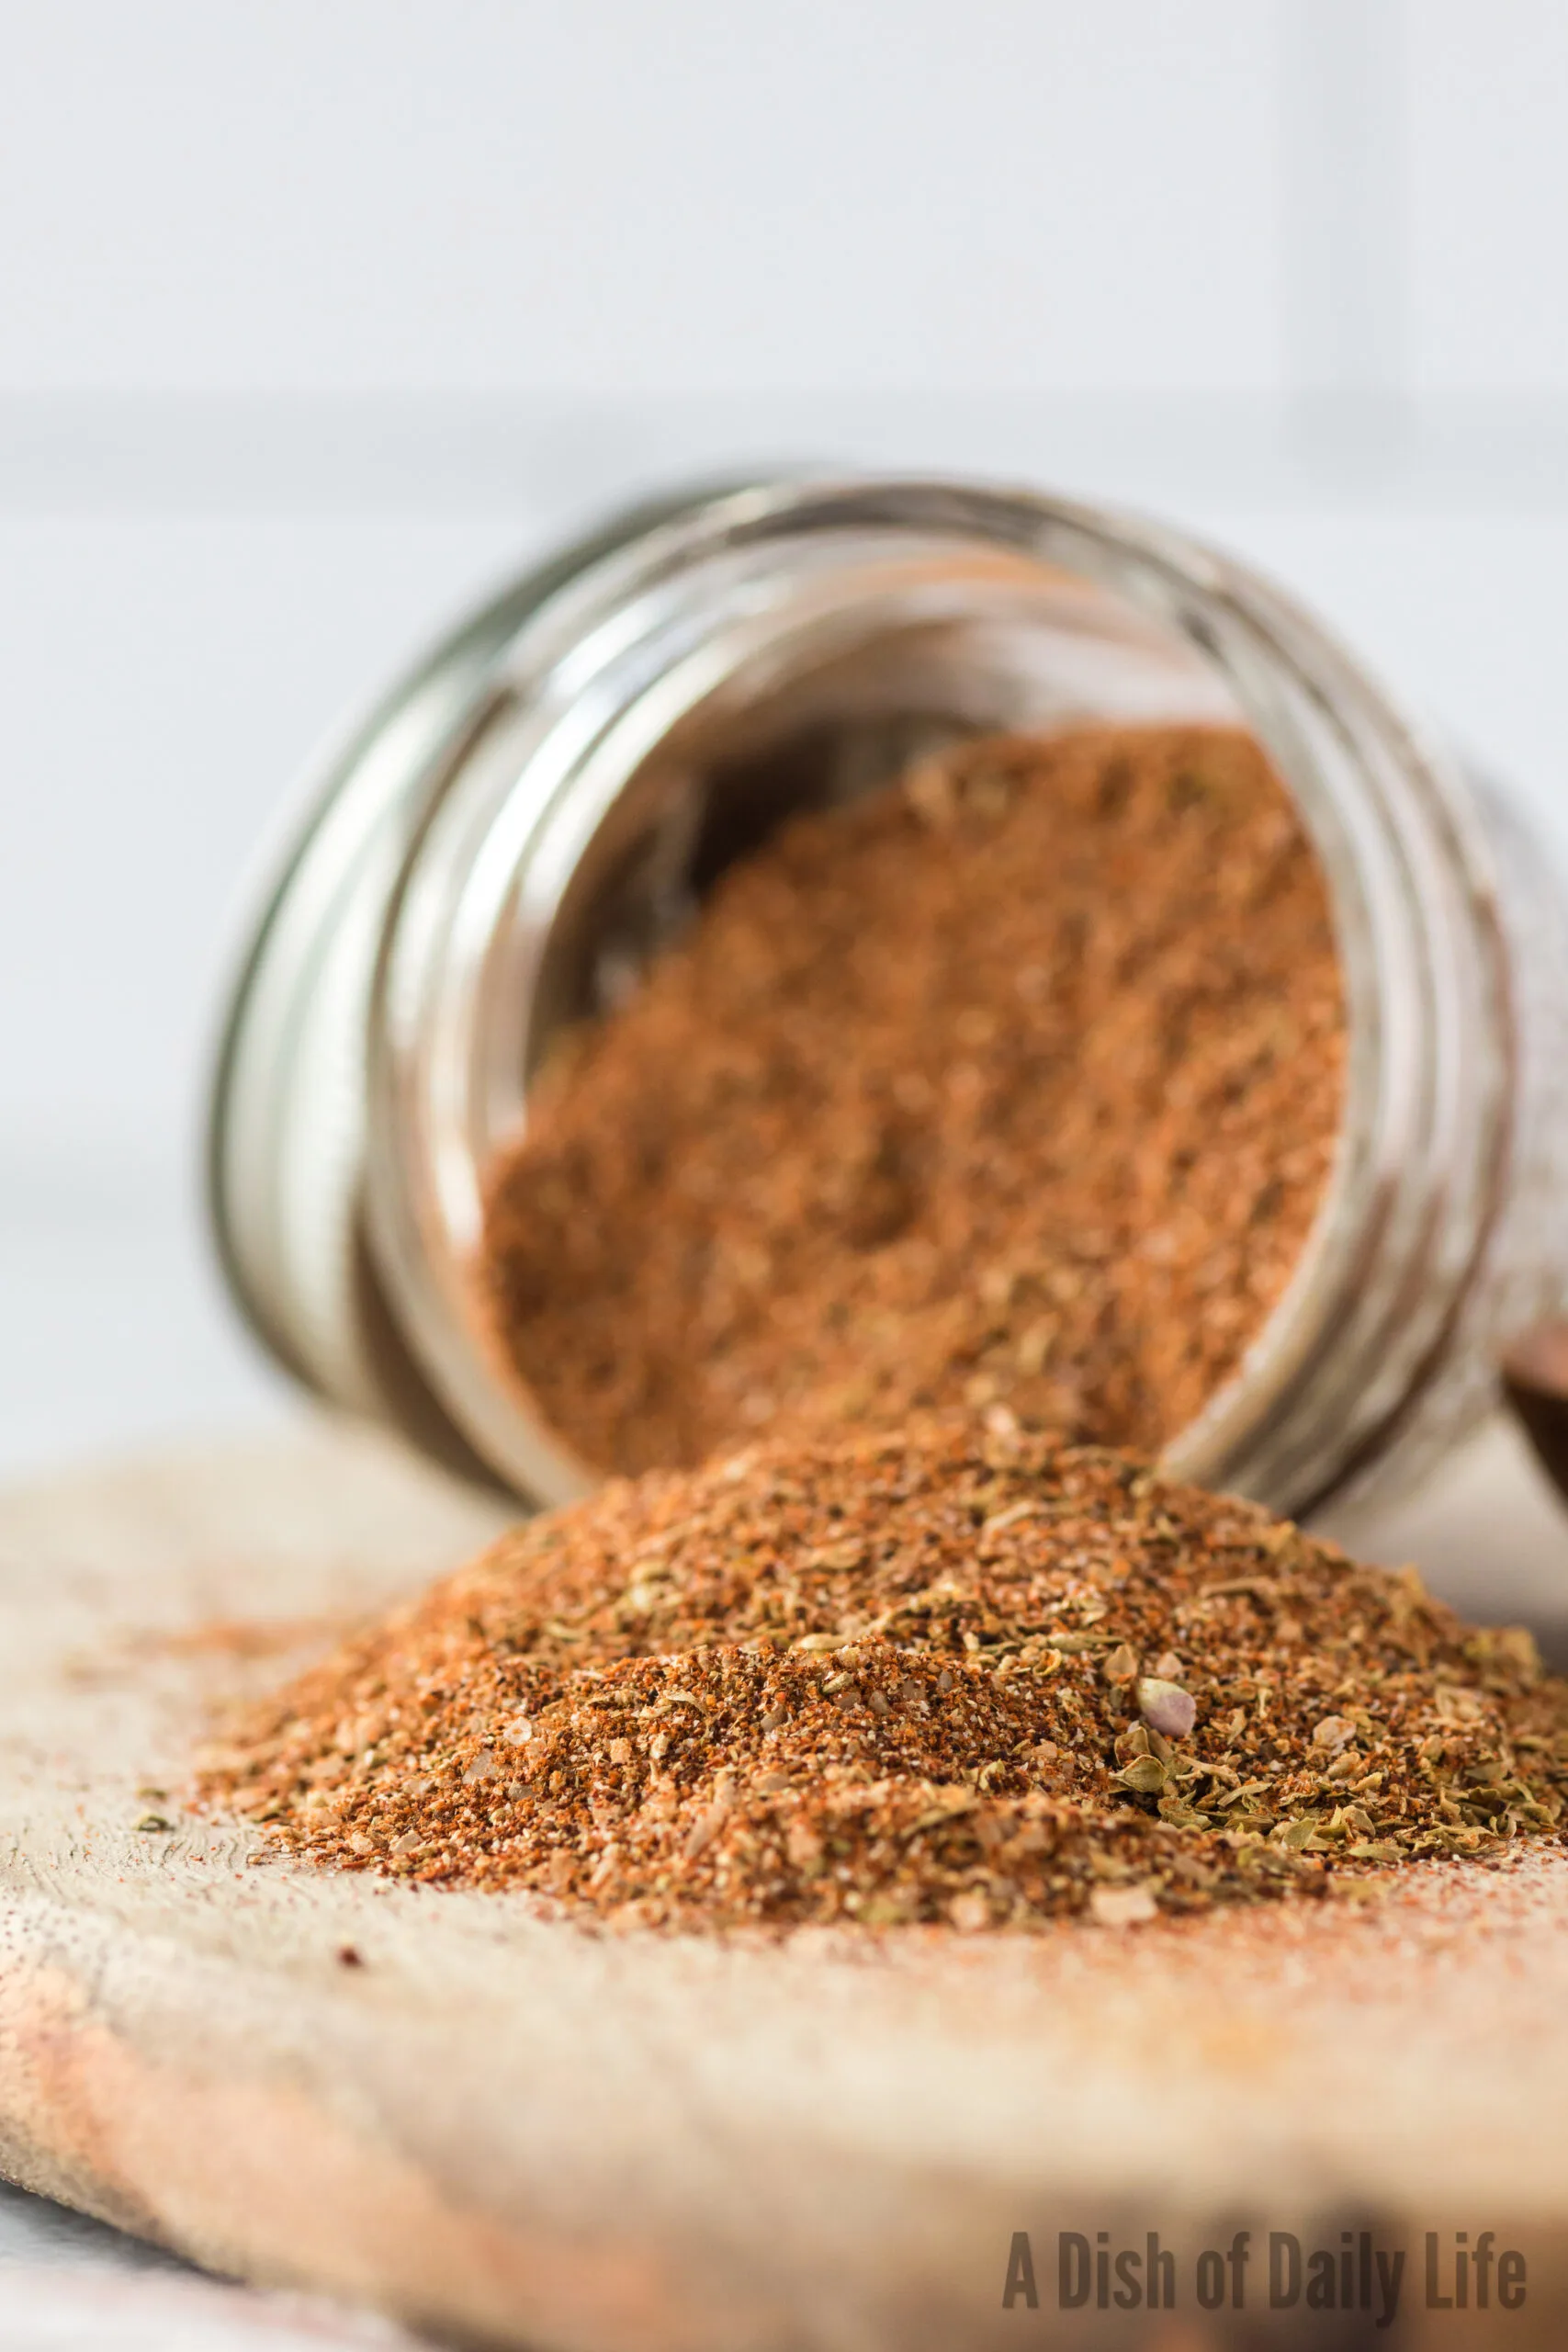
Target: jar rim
[(1373, 823)]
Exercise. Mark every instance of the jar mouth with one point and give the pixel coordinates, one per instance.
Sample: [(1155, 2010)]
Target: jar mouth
[(514, 858), (644, 706)]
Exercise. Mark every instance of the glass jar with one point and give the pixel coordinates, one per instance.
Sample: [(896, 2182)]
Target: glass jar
[(497, 850)]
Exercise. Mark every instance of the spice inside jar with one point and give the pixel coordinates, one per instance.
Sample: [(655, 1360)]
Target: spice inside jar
[(1010, 1090)]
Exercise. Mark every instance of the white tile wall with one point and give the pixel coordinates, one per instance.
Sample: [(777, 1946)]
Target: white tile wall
[(515, 193), (1485, 105)]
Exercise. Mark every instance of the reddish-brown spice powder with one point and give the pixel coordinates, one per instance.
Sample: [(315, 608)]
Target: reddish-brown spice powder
[(1017, 1086), (960, 1677)]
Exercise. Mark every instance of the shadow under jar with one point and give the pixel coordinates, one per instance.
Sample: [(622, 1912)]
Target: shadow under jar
[(503, 845)]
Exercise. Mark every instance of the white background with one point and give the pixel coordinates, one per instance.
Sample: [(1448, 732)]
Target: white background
[(313, 317)]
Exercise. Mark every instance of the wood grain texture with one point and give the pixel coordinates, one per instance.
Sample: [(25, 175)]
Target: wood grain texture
[(510, 2130)]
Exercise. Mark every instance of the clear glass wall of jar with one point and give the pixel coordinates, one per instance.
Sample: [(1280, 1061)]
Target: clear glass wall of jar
[(517, 829)]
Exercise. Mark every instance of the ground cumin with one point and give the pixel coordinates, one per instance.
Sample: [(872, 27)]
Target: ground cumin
[(1017, 1084), (960, 1677)]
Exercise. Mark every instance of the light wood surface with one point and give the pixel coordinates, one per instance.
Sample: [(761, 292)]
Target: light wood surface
[(508, 2129)]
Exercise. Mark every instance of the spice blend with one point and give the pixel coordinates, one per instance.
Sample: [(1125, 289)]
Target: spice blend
[(1017, 1084), (964, 1678)]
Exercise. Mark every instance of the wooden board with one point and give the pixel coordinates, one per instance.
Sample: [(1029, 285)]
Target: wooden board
[(522, 2133)]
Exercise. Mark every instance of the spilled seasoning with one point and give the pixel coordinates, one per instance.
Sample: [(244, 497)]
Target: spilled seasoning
[(959, 1678)]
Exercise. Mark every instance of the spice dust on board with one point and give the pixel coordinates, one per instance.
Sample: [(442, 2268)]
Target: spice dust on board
[(956, 1677), (1017, 1083)]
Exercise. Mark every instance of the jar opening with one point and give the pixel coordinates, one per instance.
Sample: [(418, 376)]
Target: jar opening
[(766, 671), (762, 653)]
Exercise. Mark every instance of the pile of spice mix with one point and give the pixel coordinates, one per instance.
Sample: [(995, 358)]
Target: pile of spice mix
[(958, 1677), (1016, 1084)]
